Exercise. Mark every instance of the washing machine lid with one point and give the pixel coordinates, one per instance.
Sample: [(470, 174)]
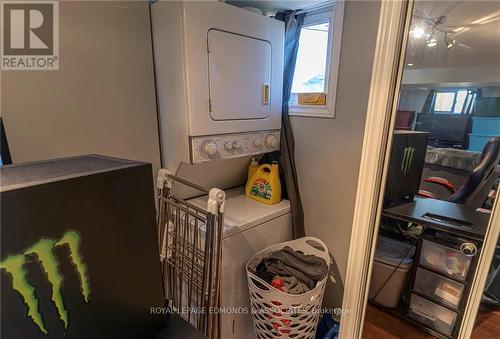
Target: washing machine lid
[(392, 252), (242, 213)]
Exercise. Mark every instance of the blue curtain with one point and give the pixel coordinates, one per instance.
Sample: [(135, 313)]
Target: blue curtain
[(293, 25)]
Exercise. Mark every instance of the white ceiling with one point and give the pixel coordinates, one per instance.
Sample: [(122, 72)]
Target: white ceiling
[(275, 5), (477, 44)]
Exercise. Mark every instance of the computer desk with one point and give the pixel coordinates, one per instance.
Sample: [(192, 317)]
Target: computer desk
[(456, 231), (442, 215)]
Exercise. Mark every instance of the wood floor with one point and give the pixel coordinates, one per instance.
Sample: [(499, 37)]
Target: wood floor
[(381, 325)]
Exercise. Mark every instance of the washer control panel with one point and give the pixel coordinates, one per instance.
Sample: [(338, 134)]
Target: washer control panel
[(227, 146)]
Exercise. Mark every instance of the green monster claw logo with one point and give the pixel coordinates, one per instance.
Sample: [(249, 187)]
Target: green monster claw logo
[(407, 159), (43, 250)]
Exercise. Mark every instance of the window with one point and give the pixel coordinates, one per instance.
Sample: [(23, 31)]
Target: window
[(316, 69), (444, 102), (459, 101), (310, 69), (454, 101)]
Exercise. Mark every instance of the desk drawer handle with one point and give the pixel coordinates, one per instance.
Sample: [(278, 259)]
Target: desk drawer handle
[(468, 249)]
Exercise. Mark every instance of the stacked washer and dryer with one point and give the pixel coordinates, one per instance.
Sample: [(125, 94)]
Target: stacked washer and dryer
[(219, 73)]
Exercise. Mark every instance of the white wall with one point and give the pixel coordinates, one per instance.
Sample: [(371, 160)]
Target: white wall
[(101, 100), (328, 151), (451, 75)]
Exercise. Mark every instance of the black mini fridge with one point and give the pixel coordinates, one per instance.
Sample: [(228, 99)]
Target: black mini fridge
[(79, 251), (405, 166)]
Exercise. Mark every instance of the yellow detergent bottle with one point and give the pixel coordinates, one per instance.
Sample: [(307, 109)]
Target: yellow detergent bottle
[(265, 186)]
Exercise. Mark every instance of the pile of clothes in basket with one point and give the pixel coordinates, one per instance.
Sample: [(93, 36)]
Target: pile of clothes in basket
[(290, 271)]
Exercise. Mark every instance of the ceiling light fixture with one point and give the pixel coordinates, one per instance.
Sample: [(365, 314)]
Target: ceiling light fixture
[(417, 33), (449, 43), (432, 42), (410, 64)]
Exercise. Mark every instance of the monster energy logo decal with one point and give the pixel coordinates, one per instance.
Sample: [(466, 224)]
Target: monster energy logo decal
[(44, 251), (407, 160)]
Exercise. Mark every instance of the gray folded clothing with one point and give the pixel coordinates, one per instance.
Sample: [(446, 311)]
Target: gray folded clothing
[(307, 268), (293, 286)]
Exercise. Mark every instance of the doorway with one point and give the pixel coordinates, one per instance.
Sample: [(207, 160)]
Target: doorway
[(426, 230)]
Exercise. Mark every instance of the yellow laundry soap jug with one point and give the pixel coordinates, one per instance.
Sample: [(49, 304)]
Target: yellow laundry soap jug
[(265, 185), (252, 168)]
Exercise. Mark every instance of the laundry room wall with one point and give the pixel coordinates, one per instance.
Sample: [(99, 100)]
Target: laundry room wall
[(102, 98), (328, 151)]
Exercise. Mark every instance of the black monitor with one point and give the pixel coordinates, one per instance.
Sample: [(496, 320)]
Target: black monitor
[(445, 130)]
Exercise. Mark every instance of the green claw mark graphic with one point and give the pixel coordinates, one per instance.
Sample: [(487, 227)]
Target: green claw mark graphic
[(44, 251), (407, 159), (14, 266), (72, 239)]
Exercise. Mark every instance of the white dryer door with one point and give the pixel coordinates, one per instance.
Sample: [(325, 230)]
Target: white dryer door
[(239, 76)]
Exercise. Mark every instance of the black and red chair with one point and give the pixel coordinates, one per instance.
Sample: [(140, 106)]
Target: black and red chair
[(478, 184)]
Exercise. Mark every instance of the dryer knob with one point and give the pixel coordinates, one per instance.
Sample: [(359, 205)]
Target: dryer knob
[(236, 145), (209, 148), (228, 146), (271, 141), (257, 143)]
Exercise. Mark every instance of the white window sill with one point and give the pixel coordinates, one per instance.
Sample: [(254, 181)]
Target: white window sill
[(310, 111)]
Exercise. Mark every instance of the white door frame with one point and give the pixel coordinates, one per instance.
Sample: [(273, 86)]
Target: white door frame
[(394, 24), (386, 72)]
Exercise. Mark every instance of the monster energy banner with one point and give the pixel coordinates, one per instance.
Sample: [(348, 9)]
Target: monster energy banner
[(79, 257)]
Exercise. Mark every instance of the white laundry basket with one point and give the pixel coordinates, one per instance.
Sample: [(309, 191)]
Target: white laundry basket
[(278, 314)]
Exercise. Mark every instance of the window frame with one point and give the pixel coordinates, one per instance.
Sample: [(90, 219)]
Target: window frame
[(455, 92), (335, 18)]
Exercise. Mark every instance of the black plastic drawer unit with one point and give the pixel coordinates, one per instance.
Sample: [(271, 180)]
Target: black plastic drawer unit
[(440, 282)]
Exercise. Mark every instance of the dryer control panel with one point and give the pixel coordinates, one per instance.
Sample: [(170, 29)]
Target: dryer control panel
[(227, 146)]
